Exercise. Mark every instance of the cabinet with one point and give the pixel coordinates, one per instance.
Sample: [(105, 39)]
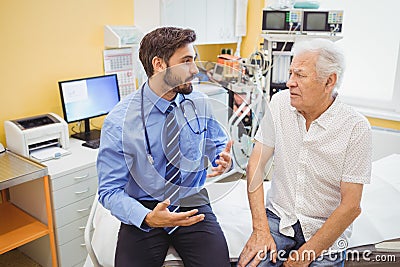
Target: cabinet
[(213, 20), (17, 227), (73, 184), (221, 21)]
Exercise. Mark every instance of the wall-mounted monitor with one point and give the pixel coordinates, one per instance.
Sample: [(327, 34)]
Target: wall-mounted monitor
[(322, 21), (86, 98), (281, 21)]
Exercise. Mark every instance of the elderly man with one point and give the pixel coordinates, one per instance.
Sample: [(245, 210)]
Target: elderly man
[(322, 158)]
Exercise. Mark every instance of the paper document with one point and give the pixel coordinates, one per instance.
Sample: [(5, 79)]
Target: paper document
[(48, 153)]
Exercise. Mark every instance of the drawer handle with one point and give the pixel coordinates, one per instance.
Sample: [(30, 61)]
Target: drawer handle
[(82, 192), (82, 210), (83, 245), (81, 177), (82, 228)]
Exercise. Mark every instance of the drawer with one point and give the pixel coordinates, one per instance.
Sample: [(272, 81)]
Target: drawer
[(74, 193), (70, 231), (73, 212), (73, 178), (72, 253)]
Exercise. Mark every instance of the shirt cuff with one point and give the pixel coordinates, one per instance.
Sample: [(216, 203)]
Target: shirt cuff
[(138, 219)]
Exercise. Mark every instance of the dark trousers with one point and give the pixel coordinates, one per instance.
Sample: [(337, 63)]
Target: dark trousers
[(201, 244)]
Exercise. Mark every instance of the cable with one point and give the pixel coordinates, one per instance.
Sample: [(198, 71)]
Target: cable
[(333, 31), (78, 124), (290, 32), (263, 62)]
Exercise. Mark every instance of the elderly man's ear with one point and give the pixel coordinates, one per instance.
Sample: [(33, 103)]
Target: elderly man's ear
[(331, 82)]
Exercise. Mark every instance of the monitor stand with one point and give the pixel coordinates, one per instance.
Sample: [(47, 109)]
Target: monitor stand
[(87, 134)]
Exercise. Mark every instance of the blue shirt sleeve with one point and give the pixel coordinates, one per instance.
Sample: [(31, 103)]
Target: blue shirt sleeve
[(113, 176)]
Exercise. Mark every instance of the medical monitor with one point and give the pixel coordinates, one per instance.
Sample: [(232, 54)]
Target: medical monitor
[(86, 98), (281, 21), (322, 21)]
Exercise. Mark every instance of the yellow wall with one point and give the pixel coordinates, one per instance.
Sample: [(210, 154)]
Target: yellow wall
[(45, 41), (254, 18), (210, 52), (384, 123)]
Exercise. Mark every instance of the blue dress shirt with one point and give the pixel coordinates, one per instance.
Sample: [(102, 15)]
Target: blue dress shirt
[(126, 176)]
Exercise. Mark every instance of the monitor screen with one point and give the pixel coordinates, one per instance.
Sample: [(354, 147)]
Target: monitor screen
[(274, 20), (315, 21), (86, 98)]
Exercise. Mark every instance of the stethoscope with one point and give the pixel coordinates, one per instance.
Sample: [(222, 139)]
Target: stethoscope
[(146, 135)]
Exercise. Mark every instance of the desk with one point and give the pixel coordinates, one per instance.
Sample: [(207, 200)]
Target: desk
[(16, 226)]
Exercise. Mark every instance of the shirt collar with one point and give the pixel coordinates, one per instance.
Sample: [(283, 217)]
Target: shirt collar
[(160, 103), (326, 118)]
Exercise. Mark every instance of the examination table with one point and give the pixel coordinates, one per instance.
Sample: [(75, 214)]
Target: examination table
[(379, 220)]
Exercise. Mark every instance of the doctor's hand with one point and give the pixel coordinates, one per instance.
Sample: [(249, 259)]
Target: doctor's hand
[(224, 162), (259, 243), (160, 216)]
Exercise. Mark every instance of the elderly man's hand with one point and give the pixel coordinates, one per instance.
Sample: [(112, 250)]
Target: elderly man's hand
[(259, 243)]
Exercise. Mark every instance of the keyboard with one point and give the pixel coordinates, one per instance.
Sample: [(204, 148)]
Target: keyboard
[(95, 143)]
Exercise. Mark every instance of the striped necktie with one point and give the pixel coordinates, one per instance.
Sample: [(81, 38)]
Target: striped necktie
[(172, 153)]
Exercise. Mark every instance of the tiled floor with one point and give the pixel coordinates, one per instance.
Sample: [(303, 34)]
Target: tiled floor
[(15, 258)]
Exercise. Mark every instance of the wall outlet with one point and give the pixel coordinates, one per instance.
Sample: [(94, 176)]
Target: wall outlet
[(226, 51)]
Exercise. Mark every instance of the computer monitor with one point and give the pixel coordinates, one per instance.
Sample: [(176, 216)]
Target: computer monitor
[(86, 98)]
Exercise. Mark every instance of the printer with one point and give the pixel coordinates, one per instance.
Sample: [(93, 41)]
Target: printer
[(27, 135)]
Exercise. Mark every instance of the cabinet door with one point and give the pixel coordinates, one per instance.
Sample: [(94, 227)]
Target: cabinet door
[(229, 21), (173, 13), (213, 20), (185, 14), (146, 14), (220, 21), (196, 18)]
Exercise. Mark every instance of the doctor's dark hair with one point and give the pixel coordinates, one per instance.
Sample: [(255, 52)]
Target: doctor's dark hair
[(162, 43)]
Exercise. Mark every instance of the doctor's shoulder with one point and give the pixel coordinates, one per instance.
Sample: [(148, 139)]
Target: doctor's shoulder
[(127, 107)]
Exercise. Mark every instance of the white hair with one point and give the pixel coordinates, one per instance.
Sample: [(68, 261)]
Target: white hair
[(330, 57)]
